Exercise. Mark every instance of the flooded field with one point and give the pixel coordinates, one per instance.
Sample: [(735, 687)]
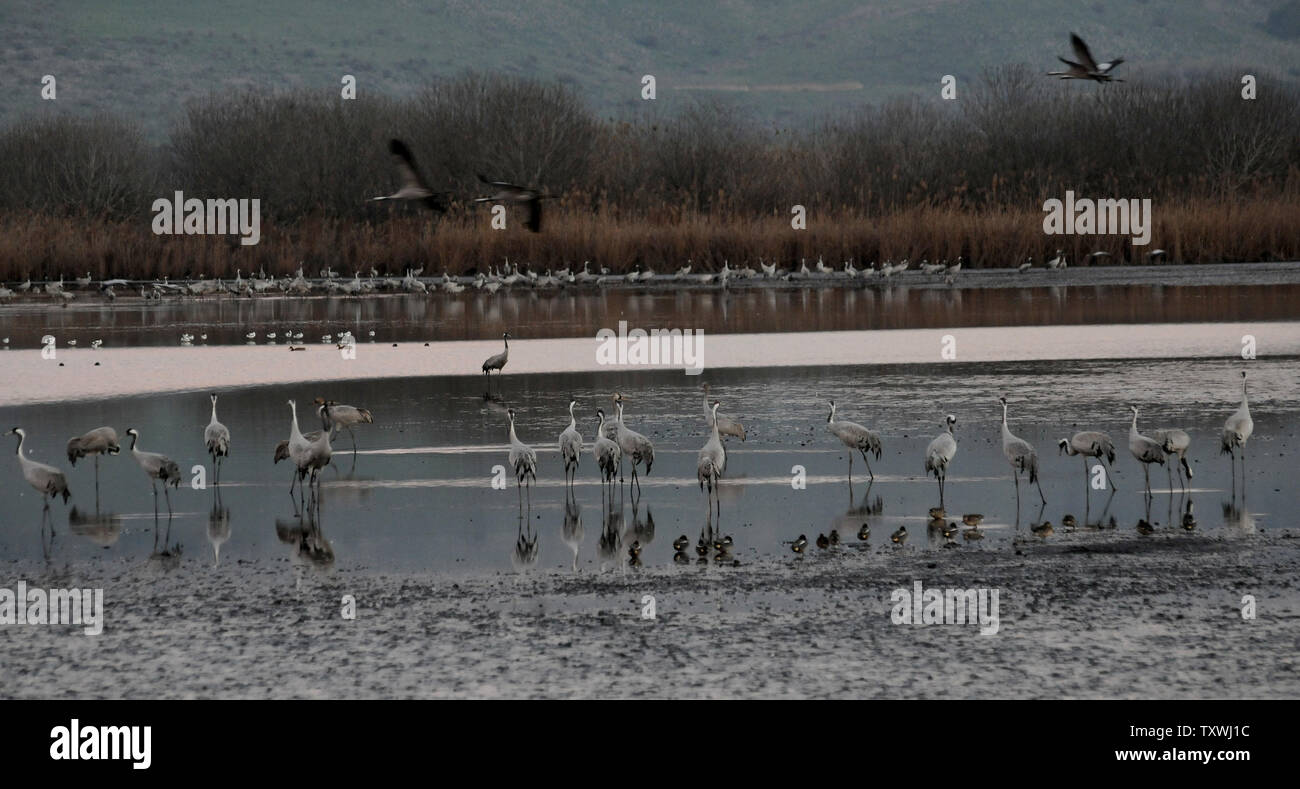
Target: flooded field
[(418, 495), (459, 580)]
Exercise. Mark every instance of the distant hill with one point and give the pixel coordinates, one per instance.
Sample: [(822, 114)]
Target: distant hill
[(782, 61)]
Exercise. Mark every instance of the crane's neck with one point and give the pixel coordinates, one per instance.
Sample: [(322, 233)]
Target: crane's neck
[(214, 411), (600, 430), (619, 406), (21, 439), (507, 342), (830, 420), (715, 435), (296, 432), (573, 422), (513, 438), (134, 437), (1133, 429), (1245, 406), (1006, 431)]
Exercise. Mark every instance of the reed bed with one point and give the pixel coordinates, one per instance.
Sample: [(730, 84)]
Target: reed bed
[(45, 247)]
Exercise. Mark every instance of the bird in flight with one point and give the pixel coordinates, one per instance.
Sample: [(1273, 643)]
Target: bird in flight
[(519, 195), (1086, 67), (413, 186)]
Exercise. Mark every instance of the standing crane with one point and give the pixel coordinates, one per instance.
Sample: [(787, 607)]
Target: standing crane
[(635, 447), (571, 446), (1090, 444), (606, 451), (336, 415), (940, 453), (522, 457), (158, 467), (1175, 442), (712, 461), (1146, 449), (46, 480), (1236, 432), (497, 361), (856, 438), (217, 438), (1022, 457), (100, 441)]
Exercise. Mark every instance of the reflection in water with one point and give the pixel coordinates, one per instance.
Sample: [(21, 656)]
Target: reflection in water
[(524, 555), (571, 530), (569, 314), (611, 532), (168, 557), (1236, 516), (218, 525), (310, 550), (102, 529)]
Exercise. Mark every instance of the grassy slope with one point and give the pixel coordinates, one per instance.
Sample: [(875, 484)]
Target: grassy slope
[(146, 57)]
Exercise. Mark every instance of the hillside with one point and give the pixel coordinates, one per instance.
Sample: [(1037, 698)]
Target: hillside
[(785, 62)]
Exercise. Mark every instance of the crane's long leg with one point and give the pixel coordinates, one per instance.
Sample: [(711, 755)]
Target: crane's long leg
[(871, 475), (168, 497), (850, 468), (1040, 489), (354, 440)]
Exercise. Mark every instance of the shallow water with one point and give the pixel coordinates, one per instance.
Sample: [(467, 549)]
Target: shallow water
[(473, 315), (419, 494)]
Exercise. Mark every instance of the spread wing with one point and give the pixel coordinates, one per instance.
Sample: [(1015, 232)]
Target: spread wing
[(1081, 52), (406, 165)]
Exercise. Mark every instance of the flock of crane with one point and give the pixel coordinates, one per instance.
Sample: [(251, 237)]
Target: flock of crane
[(615, 442), (508, 276)]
